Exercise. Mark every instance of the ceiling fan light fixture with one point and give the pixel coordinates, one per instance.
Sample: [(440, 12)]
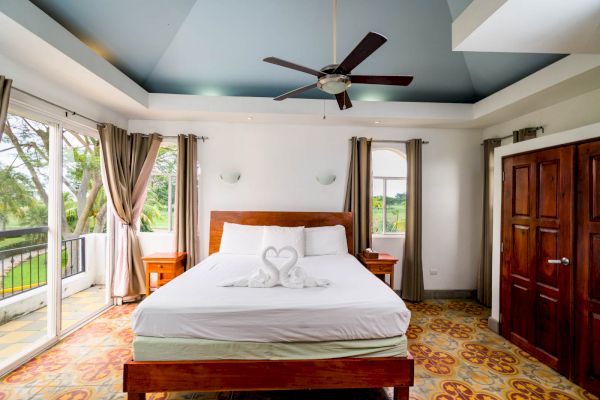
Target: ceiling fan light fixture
[(334, 83)]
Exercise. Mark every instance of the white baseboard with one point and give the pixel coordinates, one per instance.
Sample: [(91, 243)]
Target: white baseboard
[(494, 325)]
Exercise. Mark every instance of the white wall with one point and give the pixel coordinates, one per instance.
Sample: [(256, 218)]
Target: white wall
[(575, 112), (278, 164)]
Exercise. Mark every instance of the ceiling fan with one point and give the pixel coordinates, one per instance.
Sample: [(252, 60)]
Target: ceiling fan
[(337, 78)]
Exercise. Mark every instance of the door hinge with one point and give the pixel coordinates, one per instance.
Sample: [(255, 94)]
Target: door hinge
[(500, 318), (503, 176), (501, 247)]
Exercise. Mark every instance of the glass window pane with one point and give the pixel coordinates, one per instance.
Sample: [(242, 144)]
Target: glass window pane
[(157, 214), (83, 269), (395, 203), (84, 199), (388, 163), (377, 206), (24, 170), (172, 205), (154, 214)]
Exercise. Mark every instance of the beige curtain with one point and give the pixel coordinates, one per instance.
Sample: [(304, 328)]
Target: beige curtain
[(359, 191), (5, 85), (127, 161), (484, 274), (412, 265), (186, 199)]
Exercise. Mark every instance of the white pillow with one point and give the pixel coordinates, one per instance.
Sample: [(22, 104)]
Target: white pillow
[(325, 240), (241, 239), (281, 236)]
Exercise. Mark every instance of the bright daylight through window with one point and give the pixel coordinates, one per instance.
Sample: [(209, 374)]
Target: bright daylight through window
[(389, 191), (157, 214)]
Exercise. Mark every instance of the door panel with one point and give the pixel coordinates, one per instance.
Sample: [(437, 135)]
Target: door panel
[(547, 315), (521, 188), (537, 226), (548, 274), (588, 269), (520, 256), (548, 190)]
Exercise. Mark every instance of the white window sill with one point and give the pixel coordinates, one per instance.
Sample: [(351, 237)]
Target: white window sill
[(388, 236)]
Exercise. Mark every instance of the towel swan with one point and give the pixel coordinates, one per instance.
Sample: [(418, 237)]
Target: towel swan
[(265, 276), (293, 276), (268, 275)]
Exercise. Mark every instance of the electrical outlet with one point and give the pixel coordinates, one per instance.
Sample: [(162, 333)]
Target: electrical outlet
[(433, 271)]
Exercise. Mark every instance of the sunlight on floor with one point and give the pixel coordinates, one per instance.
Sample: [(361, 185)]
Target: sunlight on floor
[(18, 334)]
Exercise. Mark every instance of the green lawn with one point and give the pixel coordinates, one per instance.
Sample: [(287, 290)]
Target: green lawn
[(27, 272), (10, 243), (396, 219)]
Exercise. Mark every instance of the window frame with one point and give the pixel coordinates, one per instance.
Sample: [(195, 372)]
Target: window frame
[(384, 180)]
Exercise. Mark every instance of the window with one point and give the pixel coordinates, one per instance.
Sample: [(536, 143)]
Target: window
[(84, 200), (389, 191), (159, 208)]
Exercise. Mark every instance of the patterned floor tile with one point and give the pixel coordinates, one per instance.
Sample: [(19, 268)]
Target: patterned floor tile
[(456, 357)]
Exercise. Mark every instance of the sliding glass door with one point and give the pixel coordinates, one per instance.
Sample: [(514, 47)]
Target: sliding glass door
[(24, 197), (53, 240), (83, 229)]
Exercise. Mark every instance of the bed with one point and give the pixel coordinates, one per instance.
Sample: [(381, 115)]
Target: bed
[(192, 335)]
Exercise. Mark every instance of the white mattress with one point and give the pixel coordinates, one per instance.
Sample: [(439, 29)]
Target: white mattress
[(356, 306)]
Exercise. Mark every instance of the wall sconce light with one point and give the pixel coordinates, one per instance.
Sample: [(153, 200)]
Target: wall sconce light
[(326, 179), (230, 177)]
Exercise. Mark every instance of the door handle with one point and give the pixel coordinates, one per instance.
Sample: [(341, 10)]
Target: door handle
[(564, 261)]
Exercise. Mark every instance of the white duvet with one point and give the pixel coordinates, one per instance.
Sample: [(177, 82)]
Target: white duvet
[(357, 305)]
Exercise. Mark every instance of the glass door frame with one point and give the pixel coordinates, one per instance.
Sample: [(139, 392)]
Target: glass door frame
[(57, 120)]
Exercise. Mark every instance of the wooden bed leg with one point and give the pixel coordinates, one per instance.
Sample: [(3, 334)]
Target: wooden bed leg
[(401, 392), (138, 396)]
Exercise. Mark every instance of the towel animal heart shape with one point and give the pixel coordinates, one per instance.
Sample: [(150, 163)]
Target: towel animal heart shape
[(286, 266)]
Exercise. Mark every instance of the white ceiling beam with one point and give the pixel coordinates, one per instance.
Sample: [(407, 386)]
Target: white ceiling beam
[(529, 26)]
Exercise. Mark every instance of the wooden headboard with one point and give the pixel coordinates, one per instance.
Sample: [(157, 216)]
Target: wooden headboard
[(280, 218)]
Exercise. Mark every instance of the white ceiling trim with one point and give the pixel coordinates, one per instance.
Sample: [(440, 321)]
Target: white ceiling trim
[(531, 26)]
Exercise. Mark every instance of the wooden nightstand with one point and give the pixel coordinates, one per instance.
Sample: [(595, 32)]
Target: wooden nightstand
[(166, 265), (380, 266)]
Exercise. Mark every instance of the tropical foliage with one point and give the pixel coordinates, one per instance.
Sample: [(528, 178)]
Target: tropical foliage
[(395, 214), (24, 155)]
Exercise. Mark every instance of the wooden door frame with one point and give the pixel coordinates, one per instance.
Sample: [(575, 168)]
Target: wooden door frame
[(581, 134)]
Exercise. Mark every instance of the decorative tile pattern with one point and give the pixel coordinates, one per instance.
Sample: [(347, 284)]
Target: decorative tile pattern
[(18, 335), (456, 358)]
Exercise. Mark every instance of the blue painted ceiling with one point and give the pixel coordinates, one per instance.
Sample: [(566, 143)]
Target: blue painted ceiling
[(216, 47)]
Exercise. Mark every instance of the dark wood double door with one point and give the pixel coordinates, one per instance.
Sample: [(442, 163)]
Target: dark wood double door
[(550, 269)]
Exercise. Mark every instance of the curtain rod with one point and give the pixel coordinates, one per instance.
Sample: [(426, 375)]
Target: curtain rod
[(537, 128), (67, 111), (392, 141)]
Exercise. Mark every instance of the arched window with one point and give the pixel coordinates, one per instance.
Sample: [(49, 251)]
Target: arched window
[(389, 191)]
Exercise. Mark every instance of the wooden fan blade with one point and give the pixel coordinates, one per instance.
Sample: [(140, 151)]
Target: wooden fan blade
[(343, 100), (364, 49), (295, 92), (398, 80), (291, 65)]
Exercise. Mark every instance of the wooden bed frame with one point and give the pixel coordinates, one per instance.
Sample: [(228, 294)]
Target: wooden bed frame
[(144, 377)]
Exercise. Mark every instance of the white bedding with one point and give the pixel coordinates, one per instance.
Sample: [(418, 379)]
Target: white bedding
[(357, 305)]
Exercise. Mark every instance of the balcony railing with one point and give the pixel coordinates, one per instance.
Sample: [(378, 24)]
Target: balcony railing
[(24, 268)]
